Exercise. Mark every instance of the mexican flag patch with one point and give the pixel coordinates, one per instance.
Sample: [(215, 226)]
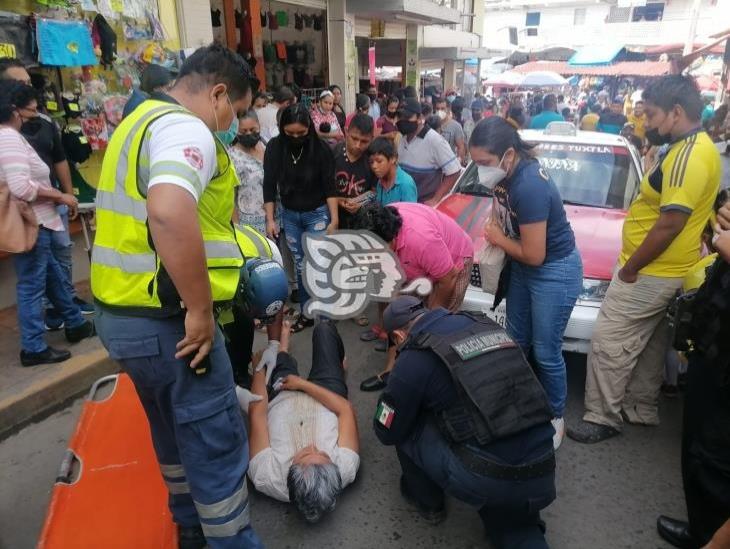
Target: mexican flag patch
[(384, 414)]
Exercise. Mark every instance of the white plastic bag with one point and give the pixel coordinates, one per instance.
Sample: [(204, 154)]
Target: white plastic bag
[(491, 260)]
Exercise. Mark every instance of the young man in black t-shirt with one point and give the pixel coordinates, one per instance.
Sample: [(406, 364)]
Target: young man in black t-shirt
[(354, 180)]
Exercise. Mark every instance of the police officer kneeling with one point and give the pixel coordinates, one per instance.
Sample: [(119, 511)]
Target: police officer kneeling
[(469, 418)]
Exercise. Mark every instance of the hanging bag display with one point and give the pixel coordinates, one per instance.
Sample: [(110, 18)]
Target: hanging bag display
[(492, 258), (18, 223), (16, 39)]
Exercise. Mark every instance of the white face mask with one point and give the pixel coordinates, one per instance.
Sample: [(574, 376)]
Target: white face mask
[(489, 176), (441, 114)]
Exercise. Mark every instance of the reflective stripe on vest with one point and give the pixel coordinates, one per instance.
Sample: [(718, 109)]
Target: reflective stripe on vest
[(256, 239), (125, 269), (129, 263)]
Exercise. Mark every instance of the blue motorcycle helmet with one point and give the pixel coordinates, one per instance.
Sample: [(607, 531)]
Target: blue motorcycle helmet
[(263, 289)]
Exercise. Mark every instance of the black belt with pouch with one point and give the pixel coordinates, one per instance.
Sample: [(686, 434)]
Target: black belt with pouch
[(483, 466)]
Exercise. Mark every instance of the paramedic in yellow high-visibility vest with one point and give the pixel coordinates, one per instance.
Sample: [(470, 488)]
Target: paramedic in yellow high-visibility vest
[(165, 260)]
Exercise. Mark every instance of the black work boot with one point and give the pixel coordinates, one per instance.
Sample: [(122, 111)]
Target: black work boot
[(76, 334), (190, 537), (431, 516), (49, 356)]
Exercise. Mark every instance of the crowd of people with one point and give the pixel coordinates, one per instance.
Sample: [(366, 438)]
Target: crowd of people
[(207, 192)]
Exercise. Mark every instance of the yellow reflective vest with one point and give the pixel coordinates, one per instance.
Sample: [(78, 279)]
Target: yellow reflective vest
[(126, 272)]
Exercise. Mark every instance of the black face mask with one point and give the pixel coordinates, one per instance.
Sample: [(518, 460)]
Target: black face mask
[(407, 127), (657, 139), (297, 142), (372, 96), (31, 126), (391, 114), (249, 140)]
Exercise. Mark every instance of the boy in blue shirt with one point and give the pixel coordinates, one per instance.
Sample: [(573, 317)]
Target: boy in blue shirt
[(394, 184)]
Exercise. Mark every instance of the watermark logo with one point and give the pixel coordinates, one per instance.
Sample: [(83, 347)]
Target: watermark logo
[(344, 271)]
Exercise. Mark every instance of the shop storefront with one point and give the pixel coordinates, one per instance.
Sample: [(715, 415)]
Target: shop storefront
[(84, 58), (285, 42)]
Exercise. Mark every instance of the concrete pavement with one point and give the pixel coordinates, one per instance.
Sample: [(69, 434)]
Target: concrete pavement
[(29, 393), (609, 495)]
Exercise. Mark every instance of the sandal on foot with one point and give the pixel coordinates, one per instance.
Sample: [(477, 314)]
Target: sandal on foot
[(302, 323), (362, 321)]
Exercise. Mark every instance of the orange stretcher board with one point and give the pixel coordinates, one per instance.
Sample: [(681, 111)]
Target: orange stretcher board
[(109, 491)]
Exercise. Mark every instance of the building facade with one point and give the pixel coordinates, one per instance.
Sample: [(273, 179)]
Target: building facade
[(533, 25)]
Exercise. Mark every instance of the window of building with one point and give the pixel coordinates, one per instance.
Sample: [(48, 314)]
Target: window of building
[(513, 35), (532, 19), (653, 11), (532, 31), (618, 15), (579, 16)]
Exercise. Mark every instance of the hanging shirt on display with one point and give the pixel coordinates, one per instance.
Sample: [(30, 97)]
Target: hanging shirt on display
[(282, 18), (273, 24), (65, 43), (215, 17)]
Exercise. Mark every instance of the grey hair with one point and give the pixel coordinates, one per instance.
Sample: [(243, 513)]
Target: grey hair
[(314, 489), (251, 114)]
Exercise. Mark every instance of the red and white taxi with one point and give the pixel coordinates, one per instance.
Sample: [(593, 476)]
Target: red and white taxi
[(598, 176)]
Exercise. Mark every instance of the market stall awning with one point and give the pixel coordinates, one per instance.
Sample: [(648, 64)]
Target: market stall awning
[(596, 55), (677, 48), (623, 68)]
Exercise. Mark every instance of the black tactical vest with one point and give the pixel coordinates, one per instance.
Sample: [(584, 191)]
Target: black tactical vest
[(498, 393)]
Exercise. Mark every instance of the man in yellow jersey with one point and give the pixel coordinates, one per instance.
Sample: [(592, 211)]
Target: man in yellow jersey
[(638, 119), (165, 261), (661, 242)]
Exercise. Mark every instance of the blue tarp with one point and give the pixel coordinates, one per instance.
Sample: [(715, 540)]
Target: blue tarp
[(595, 55)]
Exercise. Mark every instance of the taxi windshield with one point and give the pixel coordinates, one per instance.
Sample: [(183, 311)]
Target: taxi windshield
[(602, 176)]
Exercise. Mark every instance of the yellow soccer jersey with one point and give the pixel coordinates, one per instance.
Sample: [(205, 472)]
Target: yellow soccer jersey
[(686, 177)]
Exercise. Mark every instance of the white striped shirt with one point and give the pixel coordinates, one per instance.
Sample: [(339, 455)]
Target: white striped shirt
[(23, 171)]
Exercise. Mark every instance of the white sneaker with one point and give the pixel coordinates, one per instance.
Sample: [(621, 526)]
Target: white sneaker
[(559, 426)]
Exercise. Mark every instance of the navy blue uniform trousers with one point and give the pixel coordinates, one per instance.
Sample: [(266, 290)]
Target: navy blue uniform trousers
[(509, 509), (196, 424)]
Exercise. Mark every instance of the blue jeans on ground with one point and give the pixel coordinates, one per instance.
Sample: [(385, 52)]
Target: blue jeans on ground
[(539, 303), (295, 225), (197, 429), (509, 509), (39, 274)]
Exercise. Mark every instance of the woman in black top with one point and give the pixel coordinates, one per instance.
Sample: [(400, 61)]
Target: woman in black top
[(299, 168)]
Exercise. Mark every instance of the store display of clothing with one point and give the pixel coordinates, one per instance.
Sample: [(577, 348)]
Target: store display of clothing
[(282, 18), (281, 51), (273, 23), (298, 21), (215, 17), (263, 19), (318, 21)]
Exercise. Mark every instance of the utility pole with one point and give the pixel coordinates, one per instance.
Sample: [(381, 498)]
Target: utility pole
[(694, 14)]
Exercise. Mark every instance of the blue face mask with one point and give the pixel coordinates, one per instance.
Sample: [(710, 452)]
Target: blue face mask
[(228, 136)]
